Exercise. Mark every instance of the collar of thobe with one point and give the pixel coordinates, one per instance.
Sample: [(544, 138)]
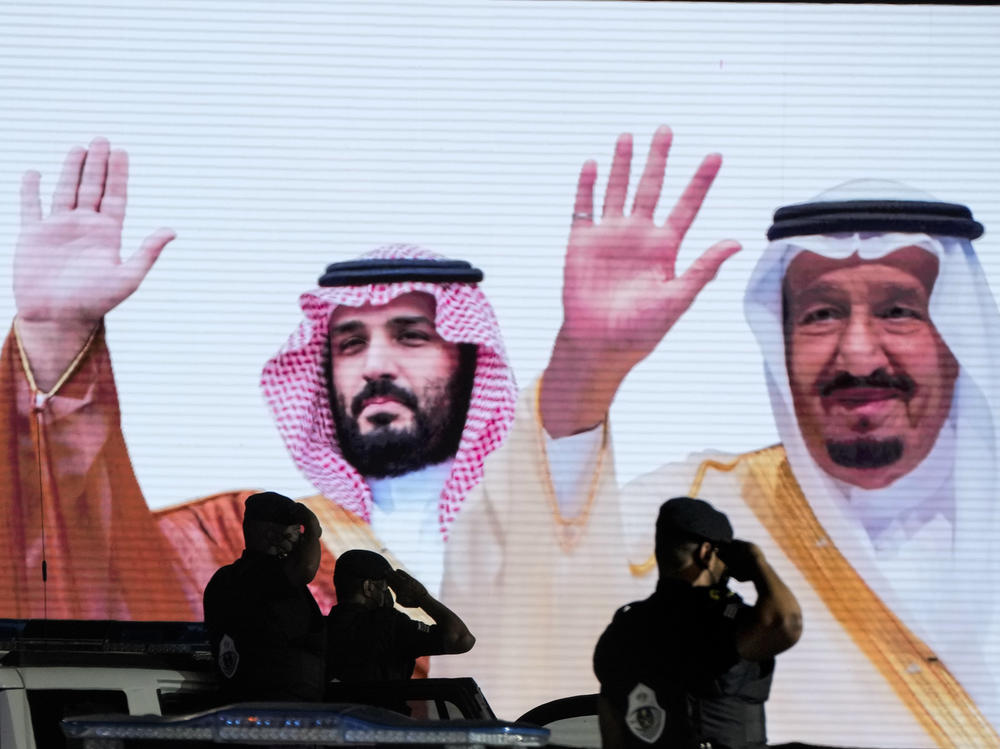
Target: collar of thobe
[(405, 517), (421, 487)]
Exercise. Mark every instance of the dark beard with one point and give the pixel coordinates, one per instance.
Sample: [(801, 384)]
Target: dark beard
[(865, 453), (433, 436)]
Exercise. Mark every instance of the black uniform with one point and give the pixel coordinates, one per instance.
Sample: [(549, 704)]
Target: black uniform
[(267, 635), (365, 644), (669, 664)]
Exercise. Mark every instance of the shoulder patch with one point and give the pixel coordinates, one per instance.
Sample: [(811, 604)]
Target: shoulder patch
[(644, 716), (229, 658)]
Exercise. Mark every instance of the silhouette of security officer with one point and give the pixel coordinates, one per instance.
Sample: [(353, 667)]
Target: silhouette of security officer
[(267, 632), (691, 665)]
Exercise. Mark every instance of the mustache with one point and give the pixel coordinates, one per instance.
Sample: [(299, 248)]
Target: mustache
[(382, 388), (880, 378)]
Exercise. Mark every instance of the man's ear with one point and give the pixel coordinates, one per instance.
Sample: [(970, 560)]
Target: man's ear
[(703, 554)]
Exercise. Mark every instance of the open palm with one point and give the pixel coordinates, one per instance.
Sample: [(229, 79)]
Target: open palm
[(621, 291), (67, 267)]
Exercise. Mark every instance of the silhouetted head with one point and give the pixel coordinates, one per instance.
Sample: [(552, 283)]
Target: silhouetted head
[(271, 523), (687, 533), (362, 576)]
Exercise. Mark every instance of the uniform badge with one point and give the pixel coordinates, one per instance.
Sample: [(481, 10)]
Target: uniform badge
[(644, 716), (229, 659)]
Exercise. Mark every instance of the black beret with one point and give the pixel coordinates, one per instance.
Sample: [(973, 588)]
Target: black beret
[(270, 507), (361, 564), (693, 517)]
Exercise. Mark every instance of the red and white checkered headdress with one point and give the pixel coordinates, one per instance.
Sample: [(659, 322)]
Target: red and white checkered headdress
[(294, 385)]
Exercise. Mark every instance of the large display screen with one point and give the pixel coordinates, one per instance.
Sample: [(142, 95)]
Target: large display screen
[(275, 139)]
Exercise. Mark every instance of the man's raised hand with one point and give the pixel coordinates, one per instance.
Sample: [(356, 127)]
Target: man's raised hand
[(68, 272), (621, 291)]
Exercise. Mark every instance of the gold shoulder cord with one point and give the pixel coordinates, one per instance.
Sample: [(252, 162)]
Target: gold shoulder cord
[(922, 682), (39, 397), (569, 531)]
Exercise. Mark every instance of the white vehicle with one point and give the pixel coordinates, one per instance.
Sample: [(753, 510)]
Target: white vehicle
[(50, 670), (111, 685)]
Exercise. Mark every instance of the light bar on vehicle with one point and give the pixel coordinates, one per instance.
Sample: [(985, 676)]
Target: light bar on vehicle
[(291, 724)]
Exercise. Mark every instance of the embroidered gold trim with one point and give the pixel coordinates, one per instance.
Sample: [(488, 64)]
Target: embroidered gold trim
[(569, 531), (922, 682)]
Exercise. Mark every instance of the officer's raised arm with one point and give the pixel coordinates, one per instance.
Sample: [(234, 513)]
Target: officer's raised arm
[(774, 623), (302, 561), (410, 592)]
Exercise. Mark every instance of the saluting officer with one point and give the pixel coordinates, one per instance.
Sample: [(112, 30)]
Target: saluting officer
[(267, 633), (691, 665)]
